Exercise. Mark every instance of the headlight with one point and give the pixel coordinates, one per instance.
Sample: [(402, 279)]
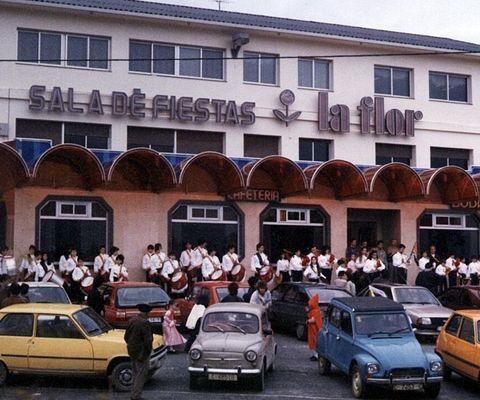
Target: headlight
[(372, 368), (195, 354), (424, 321), (436, 366), (250, 356)]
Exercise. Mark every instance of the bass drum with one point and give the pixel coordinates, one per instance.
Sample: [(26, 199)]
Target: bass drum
[(179, 281), (238, 273), (77, 275), (51, 276), (219, 275), (87, 284), (266, 274)]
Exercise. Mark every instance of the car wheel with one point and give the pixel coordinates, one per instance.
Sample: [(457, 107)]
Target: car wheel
[(271, 368), (194, 382), (301, 332), (3, 374), (432, 390), (122, 377), (359, 387), (259, 382), (324, 366)]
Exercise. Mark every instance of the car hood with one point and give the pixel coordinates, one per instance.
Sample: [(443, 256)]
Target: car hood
[(428, 310), (228, 341), (395, 351), (117, 336)]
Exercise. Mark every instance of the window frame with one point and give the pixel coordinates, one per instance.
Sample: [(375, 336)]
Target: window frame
[(448, 74), (258, 56), (391, 69), (313, 142), (64, 49), (307, 219), (65, 317), (31, 315), (459, 333), (312, 63), (177, 61)]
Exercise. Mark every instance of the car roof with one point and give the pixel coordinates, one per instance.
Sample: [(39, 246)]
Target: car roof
[(43, 308), (236, 307), (306, 284), (41, 284), (130, 284), (397, 285), (221, 284), (361, 304), (474, 314)]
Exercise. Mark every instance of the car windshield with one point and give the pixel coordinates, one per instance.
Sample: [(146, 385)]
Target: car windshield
[(132, 296), (223, 291), (49, 294), (91, 322), (372, 324), (325, 295), (230, 322), (414, 296)]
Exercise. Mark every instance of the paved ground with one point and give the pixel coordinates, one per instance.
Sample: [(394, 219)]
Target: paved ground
[(295, 377)]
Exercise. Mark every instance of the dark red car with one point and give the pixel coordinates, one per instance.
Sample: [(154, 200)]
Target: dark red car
[(461, 297), (121, 299)]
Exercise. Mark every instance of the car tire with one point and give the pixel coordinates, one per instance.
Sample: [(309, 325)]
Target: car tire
[(301, 332), (122, 377), (432, 390), (324, 366), (359, 386), (259, 383), (194, 382), (3, 374), (271, 368)]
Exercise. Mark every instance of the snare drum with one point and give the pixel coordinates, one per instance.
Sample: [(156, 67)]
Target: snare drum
[(87, 284), (219, 275), (77, 275), (50, 276), (179, 280), (238, 273), (266, 274)]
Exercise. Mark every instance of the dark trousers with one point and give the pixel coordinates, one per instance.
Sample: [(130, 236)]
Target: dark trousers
[(193, 335), (297, 276), (285, 276), (328, 274), (401, 275), (199, 274), (140, 373)]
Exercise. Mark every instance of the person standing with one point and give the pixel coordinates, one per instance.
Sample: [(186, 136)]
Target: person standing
[(199, 253), (229, 261), (381, 253), (95, 298), (352, 249), (262, 295), (139, 338), (147, 264), (283, 268), (474, 268), (312, 272), (296, 267), (252, 284), (100, 260), (259, 259), (210, 264), (399, 261), (171, 336), (232, 296), (27, 267), (14, 296), (314, 324), (344, 282), (194, 320), (326, 260)]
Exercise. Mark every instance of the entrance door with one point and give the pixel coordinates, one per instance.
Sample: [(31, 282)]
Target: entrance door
[(372, 225)]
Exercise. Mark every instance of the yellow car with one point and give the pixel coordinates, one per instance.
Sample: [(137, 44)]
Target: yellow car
[(459, 344), (64, 339)]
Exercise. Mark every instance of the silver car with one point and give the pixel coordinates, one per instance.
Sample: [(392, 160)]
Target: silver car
[(235, 342), (425, 311)]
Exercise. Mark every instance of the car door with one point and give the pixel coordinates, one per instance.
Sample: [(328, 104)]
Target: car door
[(60, 346), (289, 311), (343, 345), (448, 341), (16, 332), (275, 311), (333, 335), (466, 351), (109, 304)]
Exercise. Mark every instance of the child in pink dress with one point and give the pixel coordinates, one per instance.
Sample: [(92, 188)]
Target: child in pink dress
[(171, 336)]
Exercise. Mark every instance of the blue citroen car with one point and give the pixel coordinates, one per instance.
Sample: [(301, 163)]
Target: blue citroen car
[(371, 340)]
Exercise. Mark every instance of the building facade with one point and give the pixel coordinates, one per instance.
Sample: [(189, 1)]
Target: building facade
[(129, 123)]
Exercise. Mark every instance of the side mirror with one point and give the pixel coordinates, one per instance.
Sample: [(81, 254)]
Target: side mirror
[(267, 332)]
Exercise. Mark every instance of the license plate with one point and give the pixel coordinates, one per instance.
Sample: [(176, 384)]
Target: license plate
[(408, 386), (155, 319), (222, 377)]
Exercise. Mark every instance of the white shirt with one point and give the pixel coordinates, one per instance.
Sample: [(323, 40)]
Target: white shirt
[(441, 270), (312, 271), (229, 260), (352, 265), (115, 272), (422, 262), (360, 262), (474, 267), (464, 269), (198, 254), (282, 266), (371, 266), (186, 258), (109, 263), (255, 262), (147, 263), (324, 261), (399, 260), (99, 262), (169, 267), (209, 265), (3, 266), (39, 272), (62, 264), (296, 263), (450, 263), (71, 264), (157, 261), (28, 263)]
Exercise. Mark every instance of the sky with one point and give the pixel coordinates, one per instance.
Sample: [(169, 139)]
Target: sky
[(455, 19)]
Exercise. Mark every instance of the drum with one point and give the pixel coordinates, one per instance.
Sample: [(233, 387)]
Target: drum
[(179, 280), (50, 276), (219, 275), (266, 274), (77, 275), (87, 284), (10, 265), (238, 273)]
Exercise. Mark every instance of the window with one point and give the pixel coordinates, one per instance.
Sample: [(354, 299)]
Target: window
[(450, 87), (440, 157), (346, 323), (290, 295), (57, 326), (170, 59), (314, 149), (16, 325), (335, 318), (466, 331), (194, 142), (205, 213), (314, 73), (387, 153), (39, 129), (63, 49), (162, 140), (393, 81), (260, 68), (259, 146)]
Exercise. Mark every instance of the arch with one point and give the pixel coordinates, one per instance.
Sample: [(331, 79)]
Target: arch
[(13, 169), (68, 165), (401, 181), (210, 171), (344, 178), (141, 169), (453, 183), (276, 172)]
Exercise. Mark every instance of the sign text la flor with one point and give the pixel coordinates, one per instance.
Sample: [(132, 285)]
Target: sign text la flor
[(335, 118)]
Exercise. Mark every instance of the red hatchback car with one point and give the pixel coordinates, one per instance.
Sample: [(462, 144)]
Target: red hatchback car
[(121, 299)]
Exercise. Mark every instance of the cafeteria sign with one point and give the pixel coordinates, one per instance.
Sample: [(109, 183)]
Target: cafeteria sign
[(255, 195)]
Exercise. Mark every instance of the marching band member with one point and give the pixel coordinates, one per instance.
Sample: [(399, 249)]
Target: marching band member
[(283, 267), (110, 262), (452, 263), (474, 268), (27, 267), (229, 261), (373, 265), (79, 272), (312, 272), (62, 263), (186, 256), (3, 263), (399, 261), (441, 271), (423, 261), (210, 264), (119, 271), (326, 260), (296, 267), (361, 259), (198, 255), (351, 264), (313, 252), (147, 263), (341, 267), (463, 272), (259, 259), (100, 260), (158, 259), (39, 272), (170, 266), (71, 263)]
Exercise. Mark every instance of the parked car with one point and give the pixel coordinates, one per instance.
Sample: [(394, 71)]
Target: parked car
[(215, 292), (235, 342), (459, 344), (461, 297), (290, 299), (425, 311), (47, 292), (64, 339), (121, 300), (371, 340)]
